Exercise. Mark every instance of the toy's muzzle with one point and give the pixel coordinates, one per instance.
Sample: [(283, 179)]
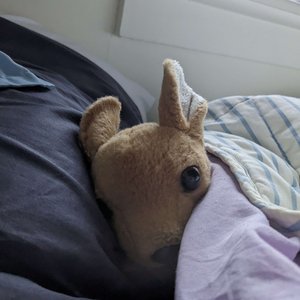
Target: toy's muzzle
[(167, 255)]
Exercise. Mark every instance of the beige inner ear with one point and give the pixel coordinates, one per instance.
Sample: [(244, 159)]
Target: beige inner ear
[(99, 123)]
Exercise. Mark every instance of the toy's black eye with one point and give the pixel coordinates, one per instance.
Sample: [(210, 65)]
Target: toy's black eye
[(190, 178)]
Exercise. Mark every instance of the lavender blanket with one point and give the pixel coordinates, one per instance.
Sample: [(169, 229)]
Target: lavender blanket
[(229, 250)]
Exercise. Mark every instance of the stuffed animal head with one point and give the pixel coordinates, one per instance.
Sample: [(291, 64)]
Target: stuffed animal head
[(151, 175)]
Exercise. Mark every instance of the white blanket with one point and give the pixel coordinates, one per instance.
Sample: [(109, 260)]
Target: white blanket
[(259, 138)]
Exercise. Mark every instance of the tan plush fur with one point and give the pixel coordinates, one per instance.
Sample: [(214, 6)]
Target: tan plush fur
[(137, 171)]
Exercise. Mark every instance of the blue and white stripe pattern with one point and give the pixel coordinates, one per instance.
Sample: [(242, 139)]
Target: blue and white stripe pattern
[(259, 138)]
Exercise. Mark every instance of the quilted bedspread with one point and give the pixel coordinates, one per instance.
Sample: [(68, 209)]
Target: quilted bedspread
[(259, 139)]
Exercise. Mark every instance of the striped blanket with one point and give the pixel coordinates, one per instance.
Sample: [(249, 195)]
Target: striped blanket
[(259, 138)]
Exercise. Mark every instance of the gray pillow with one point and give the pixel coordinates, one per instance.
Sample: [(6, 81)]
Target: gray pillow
[(141, 97)]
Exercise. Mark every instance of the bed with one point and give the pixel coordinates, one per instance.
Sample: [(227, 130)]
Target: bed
[(56, 239)]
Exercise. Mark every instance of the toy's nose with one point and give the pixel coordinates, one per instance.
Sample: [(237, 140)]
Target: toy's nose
[(167, 255)]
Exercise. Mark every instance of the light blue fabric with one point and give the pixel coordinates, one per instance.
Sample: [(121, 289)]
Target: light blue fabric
[(259, 138), (14, 75)]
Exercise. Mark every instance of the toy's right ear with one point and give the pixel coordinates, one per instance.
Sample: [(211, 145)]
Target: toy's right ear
[(99, 123), (179, 106)]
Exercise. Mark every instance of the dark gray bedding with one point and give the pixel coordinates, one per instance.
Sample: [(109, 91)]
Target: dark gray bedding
[(55, 240)]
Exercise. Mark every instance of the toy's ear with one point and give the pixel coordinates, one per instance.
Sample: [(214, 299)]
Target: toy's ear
[(99, 123), (179, 105)]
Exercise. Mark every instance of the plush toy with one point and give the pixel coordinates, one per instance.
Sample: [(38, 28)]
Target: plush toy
[(151, 175)]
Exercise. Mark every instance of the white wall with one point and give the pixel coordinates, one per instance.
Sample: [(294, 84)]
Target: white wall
[(92, 24)]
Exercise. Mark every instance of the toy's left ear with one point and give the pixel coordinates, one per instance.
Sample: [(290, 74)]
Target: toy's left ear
[(179, 106), (99, 123)]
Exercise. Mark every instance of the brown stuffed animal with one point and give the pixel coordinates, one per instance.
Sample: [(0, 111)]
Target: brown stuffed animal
[(151, 175)]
